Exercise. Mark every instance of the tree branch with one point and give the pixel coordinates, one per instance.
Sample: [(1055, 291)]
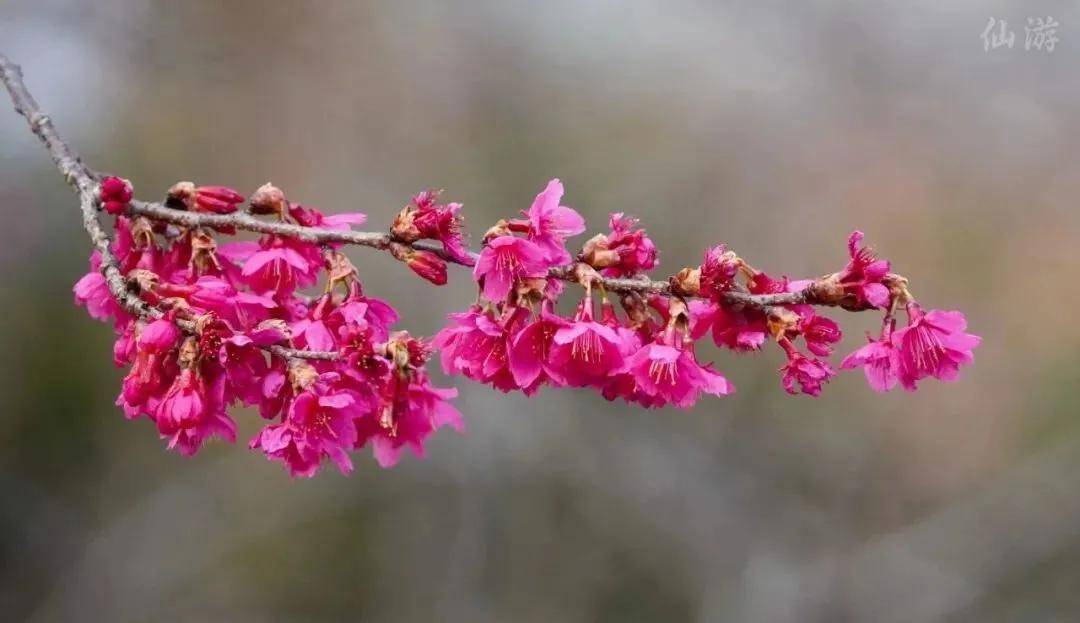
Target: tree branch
[(84, 181)]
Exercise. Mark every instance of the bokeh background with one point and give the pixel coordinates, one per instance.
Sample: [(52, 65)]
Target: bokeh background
[(776, 128)]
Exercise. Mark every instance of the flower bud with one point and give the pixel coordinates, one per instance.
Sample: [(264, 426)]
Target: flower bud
[(217, 199), (427, 265), (687, 282), (267, 199), (404, 229), (595, 252), (116, 194), (181, 196)]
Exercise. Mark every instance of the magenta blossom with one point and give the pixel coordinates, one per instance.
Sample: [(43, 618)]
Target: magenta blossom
[(550, 224), (530, 350), (666, 373), (862, 277), (933, 344), (92, 291), (819, 332), (879, 361), (445, 224), (276, 266), (739, 330), (320, 423), (414, 410), (718, 271), (191, 411), (809, 374), (585, 352), (506, 260), (636, 251)]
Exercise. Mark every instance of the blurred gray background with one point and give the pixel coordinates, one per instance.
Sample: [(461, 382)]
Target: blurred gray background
[(776, 128)]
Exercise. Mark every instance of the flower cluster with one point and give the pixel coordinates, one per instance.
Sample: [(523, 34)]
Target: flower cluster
[(229, 318), (229, 325), (513, 338)]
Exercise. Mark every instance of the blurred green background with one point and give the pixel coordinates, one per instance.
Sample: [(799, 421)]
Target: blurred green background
[(776, 128)]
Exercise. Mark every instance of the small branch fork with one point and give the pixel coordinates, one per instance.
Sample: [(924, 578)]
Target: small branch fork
[(85, 182)]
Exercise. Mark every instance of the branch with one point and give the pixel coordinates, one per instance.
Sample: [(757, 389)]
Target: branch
[(79, 177), (84, 181)]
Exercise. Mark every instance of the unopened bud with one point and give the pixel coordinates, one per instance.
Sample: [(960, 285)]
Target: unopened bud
[(181, 196), (427, 265), (404, 227), (267, 199), (687, 282)]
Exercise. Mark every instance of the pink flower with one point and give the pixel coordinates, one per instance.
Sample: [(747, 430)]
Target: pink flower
[(718, 271), (636, 251), (445, 224), (819, 332), (320, 423), (530, 350), (92, 292), (467, 342), (933, 344), (664, 373), (739, 330), (191, 411), (245, 367), (414, 410), (550, 224), (277, 266), (585, 352), (315, 332), (241, 308), (862, 276), (311, 217), (476, 346), (810, 374), (506, 260), (879, 361)]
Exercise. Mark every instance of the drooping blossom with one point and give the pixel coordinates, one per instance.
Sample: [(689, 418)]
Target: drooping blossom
[(193, 408), (667, 373), (585, 352), (530, 350), (808, 374), (879, 361), (934, 343), (320, 424), (819, 332)]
